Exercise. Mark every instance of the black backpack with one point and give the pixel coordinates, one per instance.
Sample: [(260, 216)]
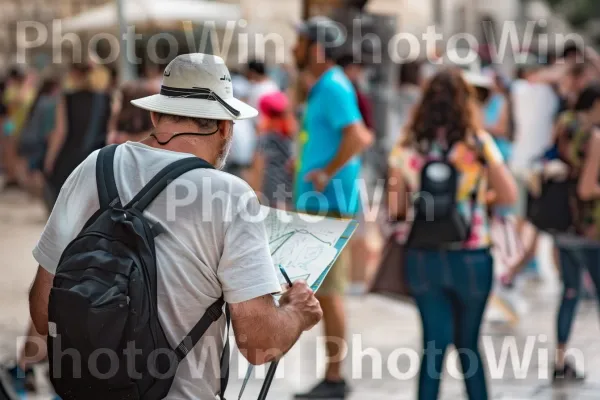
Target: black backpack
[(437, 221), (103, 303), (550, 211)]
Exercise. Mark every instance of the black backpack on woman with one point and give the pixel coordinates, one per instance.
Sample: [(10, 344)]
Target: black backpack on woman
[(438, 223)]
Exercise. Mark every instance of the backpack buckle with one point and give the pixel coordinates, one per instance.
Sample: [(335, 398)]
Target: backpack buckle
[(215, 311)]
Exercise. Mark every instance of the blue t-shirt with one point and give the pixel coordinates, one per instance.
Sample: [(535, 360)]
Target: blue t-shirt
[(332, 106), (493, 109)]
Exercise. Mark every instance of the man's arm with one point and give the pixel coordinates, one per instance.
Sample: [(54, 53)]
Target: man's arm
[(355, 139), (247, 275), (38, 300), (551, 74), (264, 331)]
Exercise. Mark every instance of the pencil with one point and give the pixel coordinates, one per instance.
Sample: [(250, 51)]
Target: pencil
[(285, 275)]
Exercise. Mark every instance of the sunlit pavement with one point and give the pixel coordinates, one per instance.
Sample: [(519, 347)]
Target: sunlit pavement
[(384, 332)]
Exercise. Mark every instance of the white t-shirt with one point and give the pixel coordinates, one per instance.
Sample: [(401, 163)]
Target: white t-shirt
[(244, 142), (210, 248), (534, 107)]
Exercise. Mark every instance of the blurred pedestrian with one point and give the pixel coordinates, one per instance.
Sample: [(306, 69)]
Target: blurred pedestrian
[(493, 110), (153, 75), (131, 123), (360, 245), (244, 139), (33, 142), (408, 93), (260, 83), (451, 280), (14, 102), (579, 146), (570, 86), (3, 137), (270, 173), (82, 117), (535, 104), (332, 138), (497, 114), (282, 75)]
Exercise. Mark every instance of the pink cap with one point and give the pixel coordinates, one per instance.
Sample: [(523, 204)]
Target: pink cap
[(273, 103)]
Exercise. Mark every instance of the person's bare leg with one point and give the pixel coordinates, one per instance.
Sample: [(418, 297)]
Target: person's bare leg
[(560, 355), (37, 184), (360, 258), (335, 332), (10, 159), (530, 250)]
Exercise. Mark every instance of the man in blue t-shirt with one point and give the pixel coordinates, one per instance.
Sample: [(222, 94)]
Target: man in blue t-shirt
[(332, 138)]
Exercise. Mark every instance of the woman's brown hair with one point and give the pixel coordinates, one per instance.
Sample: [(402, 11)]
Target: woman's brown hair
[(447, 111)]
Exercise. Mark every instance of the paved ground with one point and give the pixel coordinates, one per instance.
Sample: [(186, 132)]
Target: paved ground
[(389, 329)]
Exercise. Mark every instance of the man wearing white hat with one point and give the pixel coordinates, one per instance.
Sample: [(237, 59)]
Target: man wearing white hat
[(209, 249)]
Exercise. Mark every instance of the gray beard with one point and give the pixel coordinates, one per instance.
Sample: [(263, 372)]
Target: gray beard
[(224, 153)]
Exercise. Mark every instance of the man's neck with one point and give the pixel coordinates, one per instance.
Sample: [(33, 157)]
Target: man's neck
[(318, 69), (181, 144)]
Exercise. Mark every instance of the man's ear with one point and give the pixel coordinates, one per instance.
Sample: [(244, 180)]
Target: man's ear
[(154, 118), (225, 130)]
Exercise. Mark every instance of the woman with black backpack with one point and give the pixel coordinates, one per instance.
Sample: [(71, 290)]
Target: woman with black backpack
[(447, 163)]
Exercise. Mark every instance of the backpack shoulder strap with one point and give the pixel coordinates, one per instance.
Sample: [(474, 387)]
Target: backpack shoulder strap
[(479, 150), (105, 177), (212, 314), (161, 180)]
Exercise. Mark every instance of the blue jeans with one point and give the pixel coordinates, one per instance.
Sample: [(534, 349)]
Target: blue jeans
[(571, 264), (451, 289)]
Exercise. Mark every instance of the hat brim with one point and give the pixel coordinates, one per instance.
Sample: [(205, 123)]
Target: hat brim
[(195, 108)]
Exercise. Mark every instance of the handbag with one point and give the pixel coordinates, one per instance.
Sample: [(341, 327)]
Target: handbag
[(390, 277)]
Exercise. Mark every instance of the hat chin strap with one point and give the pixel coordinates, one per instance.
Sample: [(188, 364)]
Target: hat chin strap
[(153, 134), (197, 93)]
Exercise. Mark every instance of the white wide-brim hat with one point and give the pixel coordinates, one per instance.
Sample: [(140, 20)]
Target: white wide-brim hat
[(197, 86)]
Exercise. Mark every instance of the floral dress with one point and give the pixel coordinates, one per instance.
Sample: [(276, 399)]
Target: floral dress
[(473, 178)]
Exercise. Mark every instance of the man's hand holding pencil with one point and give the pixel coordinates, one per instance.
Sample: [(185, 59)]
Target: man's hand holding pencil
[(300, 298)]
